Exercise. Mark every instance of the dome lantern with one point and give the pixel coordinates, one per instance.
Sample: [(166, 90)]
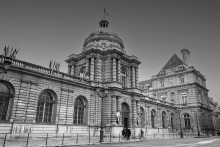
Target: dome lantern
[(103, 23)]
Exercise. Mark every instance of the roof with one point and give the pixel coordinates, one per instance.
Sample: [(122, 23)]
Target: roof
[(172, 63)]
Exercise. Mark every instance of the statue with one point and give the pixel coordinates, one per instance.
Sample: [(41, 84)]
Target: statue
[(118, 115)]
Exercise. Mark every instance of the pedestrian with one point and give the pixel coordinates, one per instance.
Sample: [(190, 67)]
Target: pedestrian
[(142, 132), (123, 132), (128, 133)]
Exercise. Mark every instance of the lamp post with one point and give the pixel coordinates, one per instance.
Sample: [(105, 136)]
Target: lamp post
[(7, 63), (179, 111), (102, 95), (197, 125)]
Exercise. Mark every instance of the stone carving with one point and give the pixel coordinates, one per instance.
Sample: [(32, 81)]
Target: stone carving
[(118, 115), (12, 54)]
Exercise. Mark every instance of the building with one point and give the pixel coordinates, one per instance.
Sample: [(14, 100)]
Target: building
[(100, 88), (179, 83)]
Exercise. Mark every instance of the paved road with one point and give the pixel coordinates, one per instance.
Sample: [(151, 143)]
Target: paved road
[(191, 142)]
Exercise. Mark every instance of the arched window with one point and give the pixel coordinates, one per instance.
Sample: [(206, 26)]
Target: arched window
[(153, 115), (171, 120), (82, 73), (5, 96), (163, 119), (79, 110), (45, 107), (123, 77), (186, 120)]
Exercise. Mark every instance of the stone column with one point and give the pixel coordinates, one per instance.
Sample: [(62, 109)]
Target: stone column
[(87, 67), (119, 70), (119, 109), (138, 107), (72, 70), (69, 69), (99, 69), (92, 69), (134, 113), (133, 76), (138, 111), (136, 77), (113, 112), (148, 122), (158, 118), (114, 70)]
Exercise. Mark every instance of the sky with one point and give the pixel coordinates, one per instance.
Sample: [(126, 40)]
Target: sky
[(152, 30)]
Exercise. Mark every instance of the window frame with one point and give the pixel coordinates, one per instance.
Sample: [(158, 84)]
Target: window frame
[(76, 115), (44, 107)]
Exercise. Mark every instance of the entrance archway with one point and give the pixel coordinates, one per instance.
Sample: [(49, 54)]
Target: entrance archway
[(125, 114)]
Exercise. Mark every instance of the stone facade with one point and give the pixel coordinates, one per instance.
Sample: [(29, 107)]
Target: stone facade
[(182, 85), (101, 85)]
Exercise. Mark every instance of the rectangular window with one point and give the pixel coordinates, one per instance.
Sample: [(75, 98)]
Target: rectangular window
[(184, 98)]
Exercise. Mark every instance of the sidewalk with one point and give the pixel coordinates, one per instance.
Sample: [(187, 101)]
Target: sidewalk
[(58, 141), (41, 140)]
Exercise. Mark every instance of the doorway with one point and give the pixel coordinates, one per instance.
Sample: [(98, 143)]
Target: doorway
[(125, 115)]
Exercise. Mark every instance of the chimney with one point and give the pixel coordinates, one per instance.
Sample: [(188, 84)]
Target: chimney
[(186, 56)]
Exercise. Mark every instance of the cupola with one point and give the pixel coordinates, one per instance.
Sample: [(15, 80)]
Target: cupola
[(103, 23)]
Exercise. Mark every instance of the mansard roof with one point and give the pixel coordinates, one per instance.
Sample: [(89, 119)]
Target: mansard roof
[(172, 63)]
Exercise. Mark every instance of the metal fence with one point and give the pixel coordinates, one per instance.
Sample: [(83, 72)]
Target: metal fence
[(34, 140)]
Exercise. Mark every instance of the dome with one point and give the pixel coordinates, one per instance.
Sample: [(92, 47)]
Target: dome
[(103, 40)]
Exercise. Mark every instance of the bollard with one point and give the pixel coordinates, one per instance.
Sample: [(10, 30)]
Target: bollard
[(119, 137), (27, 140), (63, 139), (163, 135), (89, 136), (110, 137), (46, 139), (4, 140), (76, 138), (134, 136), (173, 135)]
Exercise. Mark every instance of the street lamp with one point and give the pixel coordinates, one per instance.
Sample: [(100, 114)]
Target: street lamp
[(7, 63), (102, 95), (178, 109), (197, 125)]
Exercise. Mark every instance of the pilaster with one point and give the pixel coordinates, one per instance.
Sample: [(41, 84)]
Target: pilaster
[(133, 76), (92, 69), (113, 111), (134, 113), (119, 70), (72, 70), (114, 69)]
